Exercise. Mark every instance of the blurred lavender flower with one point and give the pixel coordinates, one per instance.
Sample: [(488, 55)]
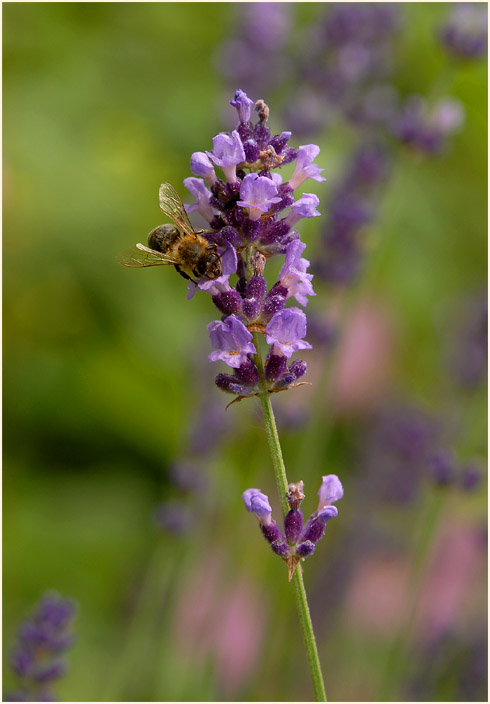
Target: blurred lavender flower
[(470, 477), (347, 52), (426, 129), (395, 452), (42, 639), (404, 446), (174, 517), (465, 34), (352, 209), (468, 353), (297, 542), (254, 56)]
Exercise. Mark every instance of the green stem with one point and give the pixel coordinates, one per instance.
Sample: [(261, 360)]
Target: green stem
[(282, 486), (399, 653)]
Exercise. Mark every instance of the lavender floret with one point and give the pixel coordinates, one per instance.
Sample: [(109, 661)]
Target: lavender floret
[(232, 339)]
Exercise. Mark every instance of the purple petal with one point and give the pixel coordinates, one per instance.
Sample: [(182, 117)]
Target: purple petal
[(232, 341), (331, 490), (247, 495), (304, 167), (202, 166), (243, 104), (257, 193), (199, 190), (285, 331)]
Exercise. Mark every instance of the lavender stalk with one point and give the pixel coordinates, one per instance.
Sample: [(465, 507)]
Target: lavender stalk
[(282, 487)]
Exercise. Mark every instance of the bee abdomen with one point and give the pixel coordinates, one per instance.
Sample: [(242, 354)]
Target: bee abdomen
[(163, 238)]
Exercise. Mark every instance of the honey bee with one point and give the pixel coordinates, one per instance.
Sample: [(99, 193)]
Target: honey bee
[(177, 245)]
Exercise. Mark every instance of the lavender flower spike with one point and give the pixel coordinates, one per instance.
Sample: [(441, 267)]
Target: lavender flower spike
[(285, 331), (257, 193), (232, 340), (227, 153), (304, 166)]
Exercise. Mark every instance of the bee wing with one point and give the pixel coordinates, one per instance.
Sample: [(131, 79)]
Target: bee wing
[(172, 206), (140, 255)]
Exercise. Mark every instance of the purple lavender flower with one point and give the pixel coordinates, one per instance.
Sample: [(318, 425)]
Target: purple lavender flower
[(465, 34), (257, 502), (257, 193), (232, 340), (286, 330), (293, 276), (305, 207), (198, 189), (227, 153), (36, 659), (425, 128), (304, 166), (243, 104), (330, 491), (202, 166)]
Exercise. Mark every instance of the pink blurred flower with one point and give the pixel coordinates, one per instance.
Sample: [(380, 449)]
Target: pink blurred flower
[(221, 620), (365, 356)]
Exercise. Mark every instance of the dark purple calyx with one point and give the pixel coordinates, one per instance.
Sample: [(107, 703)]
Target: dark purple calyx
[(293, 525), (305, 549), (228, 302), (275, 366), (232, 385), (275, 300), (254, 297)]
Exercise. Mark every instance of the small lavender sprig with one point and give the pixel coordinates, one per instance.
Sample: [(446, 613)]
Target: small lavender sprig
[(36, 658), (298, 541)]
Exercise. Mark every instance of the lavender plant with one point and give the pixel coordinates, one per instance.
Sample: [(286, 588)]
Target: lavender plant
[(244, 209), (42, 639)]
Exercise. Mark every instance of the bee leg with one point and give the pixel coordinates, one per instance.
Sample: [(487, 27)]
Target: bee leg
[(183, 274)]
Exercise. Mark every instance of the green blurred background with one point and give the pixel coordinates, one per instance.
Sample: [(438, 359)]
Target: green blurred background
[(105, 368)]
